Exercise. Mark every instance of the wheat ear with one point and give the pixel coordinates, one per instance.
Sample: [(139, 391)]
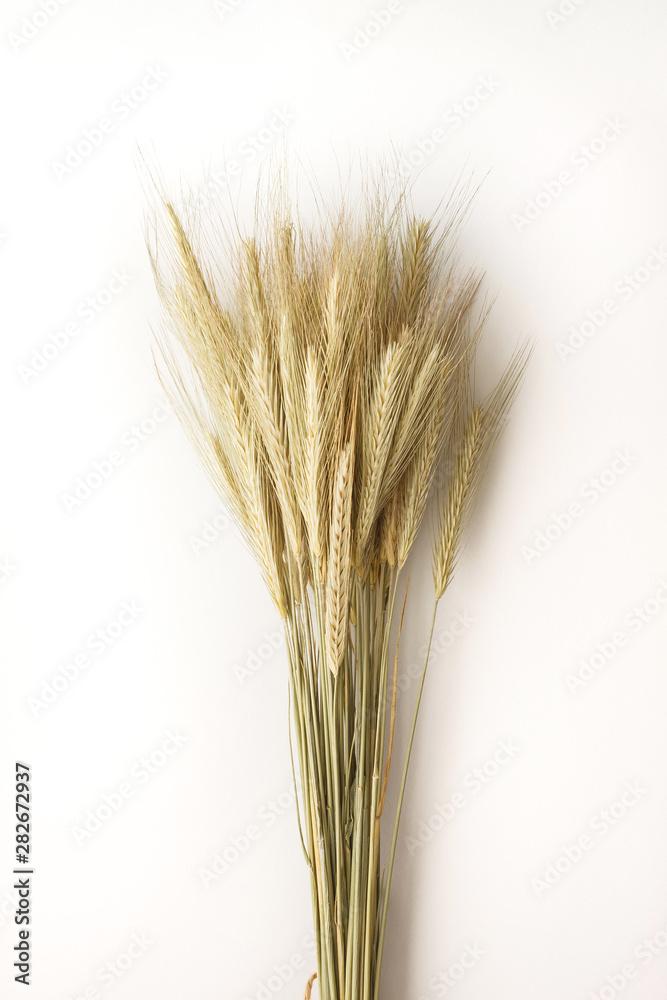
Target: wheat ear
[(453, 510), (338, 576)]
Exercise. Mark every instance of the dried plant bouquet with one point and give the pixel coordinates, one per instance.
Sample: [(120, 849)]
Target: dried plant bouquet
[(324, 373)]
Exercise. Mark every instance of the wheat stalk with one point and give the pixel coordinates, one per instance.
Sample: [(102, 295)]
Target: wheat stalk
[(321, 400)]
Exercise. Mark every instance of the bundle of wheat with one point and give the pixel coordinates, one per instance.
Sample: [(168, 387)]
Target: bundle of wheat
[(323, 372)]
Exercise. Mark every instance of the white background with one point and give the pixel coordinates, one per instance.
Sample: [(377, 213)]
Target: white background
[(480, 879)]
